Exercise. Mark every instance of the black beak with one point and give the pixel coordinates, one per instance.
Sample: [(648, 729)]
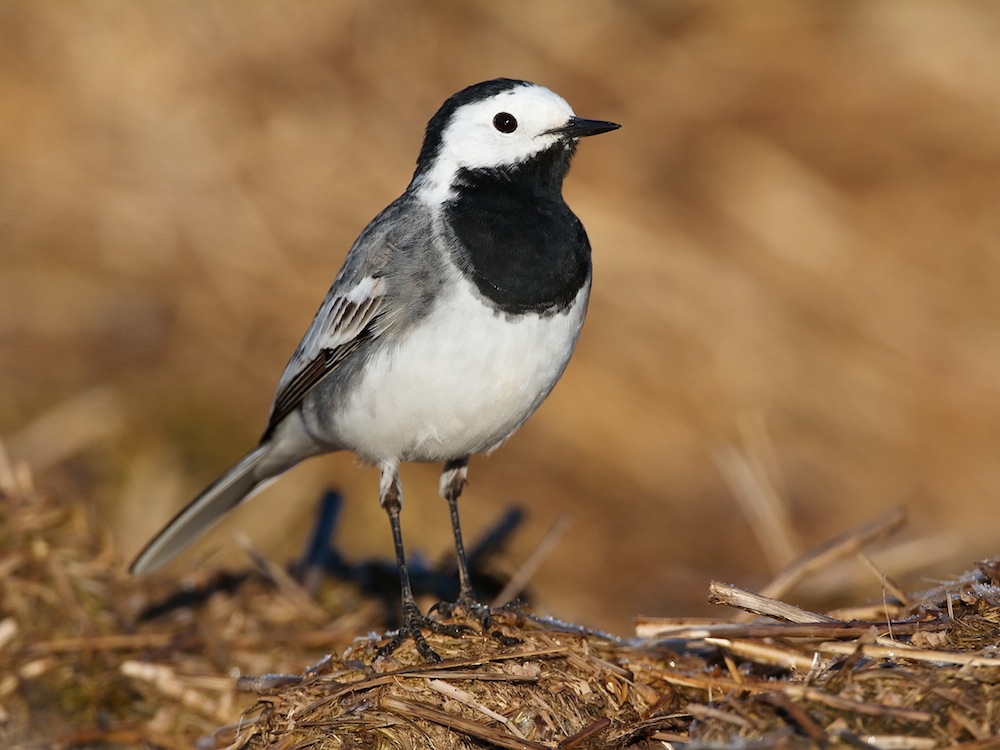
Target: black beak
[(577, 127)]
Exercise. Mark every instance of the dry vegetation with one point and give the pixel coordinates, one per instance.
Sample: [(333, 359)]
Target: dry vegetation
[(92, 658), (794, 327)]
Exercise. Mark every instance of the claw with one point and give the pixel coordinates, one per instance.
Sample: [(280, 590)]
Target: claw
[(413, 622), (481, 612)]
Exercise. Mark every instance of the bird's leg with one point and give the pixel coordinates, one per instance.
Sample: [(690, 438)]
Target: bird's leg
[(453, 480), (411, 619)]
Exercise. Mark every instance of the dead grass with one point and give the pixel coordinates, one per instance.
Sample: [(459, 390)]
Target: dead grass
[(86, 663), (82, 667)]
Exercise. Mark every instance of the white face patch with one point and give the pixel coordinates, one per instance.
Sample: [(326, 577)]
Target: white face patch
[(472, 140)]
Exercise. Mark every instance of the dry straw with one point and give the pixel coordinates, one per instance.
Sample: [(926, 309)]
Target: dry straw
[(79, 666)]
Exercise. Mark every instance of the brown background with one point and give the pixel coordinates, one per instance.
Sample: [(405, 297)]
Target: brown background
[(796, 240)]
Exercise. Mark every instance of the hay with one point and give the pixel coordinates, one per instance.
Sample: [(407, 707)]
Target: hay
[(81, 667), (910, 682)]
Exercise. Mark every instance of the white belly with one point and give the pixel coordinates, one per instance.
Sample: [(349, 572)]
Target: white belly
[(459, 383)]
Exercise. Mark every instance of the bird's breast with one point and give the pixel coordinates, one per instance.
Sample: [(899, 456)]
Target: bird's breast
[(459, 382), (525, 250)]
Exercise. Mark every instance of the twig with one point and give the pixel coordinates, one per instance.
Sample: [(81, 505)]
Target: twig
[(586, 733), (887, 583), (128, 642), (797, 714), (899, 651), (761, 504), (765, 654), (839, 547), (464, 697), (733, 596), (481, 676), (165, 679), (858, 707), (411, 709), (287, 585), (651, 628), (701, 711), (527, 571)]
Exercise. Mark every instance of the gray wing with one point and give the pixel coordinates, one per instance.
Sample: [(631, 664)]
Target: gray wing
[(359, 306)]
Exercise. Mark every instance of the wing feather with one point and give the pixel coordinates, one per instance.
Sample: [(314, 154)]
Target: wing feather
[(344, 322), (357, 308)]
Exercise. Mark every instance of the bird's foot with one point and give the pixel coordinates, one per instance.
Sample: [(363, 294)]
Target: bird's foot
[(410, 627), (482, 613), (468, 604)]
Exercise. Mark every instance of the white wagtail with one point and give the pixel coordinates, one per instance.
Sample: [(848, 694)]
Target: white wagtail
[(452, 318)]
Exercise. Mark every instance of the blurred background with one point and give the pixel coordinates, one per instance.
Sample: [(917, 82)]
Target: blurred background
[(796, 240)]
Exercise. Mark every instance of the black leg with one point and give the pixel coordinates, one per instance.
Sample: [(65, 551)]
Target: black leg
[(453, 480), (411, 618)]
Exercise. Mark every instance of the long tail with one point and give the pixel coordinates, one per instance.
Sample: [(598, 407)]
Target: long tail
[(222, 495)]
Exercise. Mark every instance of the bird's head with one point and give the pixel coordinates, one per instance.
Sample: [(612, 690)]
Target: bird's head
[(495, 125)]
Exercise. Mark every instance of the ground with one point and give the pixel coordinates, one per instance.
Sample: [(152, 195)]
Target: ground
[(265, 657)]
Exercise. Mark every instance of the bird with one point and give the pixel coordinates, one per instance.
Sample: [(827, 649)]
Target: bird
[(454, 313)]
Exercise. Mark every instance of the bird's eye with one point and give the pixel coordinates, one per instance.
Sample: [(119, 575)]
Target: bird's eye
[(505, 122)]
